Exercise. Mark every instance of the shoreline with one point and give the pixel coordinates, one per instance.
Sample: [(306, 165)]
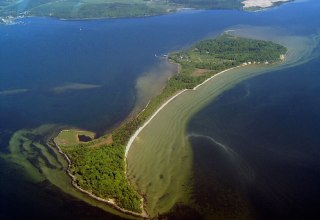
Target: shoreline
[(109, 202), (153, 117), (137, 132), (247, 6)]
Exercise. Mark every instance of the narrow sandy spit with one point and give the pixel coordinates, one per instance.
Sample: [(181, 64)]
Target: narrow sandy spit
[(133, 137)]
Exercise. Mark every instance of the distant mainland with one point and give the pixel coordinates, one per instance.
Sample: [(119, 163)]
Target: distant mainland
[(70, 9)]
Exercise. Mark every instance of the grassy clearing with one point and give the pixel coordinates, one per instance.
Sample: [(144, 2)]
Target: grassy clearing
[(71, 137)]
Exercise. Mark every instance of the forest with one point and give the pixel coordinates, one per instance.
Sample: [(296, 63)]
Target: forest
[(100, 170)]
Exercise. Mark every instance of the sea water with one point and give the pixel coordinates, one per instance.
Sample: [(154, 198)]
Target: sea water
[(84, 74), (269, 165)]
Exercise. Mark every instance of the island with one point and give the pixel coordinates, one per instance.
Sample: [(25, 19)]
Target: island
[(97, 166), (85, 9)]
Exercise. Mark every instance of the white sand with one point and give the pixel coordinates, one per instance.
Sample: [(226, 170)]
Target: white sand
[(261, 3), (133, 137)]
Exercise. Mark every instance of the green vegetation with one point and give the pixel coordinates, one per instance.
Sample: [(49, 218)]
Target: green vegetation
[(81, 9), (213, 56), (227, 51), (210, 4), (71, 137), (99, 165)]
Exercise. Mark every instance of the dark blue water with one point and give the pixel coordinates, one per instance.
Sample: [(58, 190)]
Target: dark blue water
[(42, 55), (270, 165)]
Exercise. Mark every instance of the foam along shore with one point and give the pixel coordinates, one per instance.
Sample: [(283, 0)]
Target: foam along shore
[(261, 3), (133, 137)]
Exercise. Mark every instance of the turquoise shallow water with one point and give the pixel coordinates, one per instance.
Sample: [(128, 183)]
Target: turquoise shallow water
[(84, 73)]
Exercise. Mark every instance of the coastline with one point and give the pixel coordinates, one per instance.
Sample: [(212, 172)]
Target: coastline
[(283, 58), (248, 5), (109, 202), (289, 59), (81, 203), (178, 178), (132, 138), (137, 132)]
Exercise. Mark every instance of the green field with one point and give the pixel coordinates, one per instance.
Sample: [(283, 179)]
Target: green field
[(71, 137)]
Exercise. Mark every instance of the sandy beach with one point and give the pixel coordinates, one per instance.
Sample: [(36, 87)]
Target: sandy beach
[(133, 137), (261, 3), (149, 120)]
